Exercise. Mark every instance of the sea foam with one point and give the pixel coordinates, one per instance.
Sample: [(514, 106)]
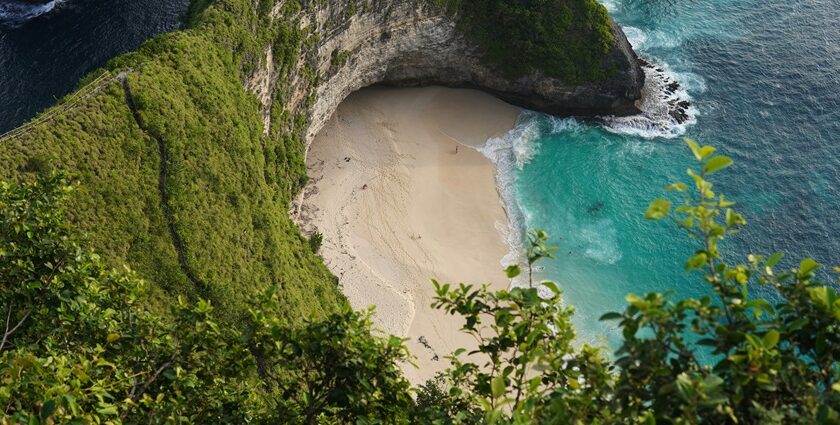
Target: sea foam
[(510, 153), (13, 13), (666, 107)]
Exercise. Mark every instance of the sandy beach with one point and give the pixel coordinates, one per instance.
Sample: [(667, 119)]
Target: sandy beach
[(401, 197)]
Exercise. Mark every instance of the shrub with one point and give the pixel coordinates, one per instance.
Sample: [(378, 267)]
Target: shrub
[(315, 241), (771, 362), (80, 346)]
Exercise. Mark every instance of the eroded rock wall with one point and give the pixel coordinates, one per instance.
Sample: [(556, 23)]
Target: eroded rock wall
[(412, 42)]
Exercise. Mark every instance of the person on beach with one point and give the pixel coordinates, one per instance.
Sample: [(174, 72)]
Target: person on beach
[(456, 149)]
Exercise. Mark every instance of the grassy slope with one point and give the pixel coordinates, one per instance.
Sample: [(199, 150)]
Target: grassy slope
[(228, 185)]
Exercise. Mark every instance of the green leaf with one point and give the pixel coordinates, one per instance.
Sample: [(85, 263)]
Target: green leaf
[(808, 265), (635, 301), (70, 401), (552, 287), (498, 386), (798, 324), (754, 341), (774, 259), (107, 411), (47, 409), (696, 261), (611, 316), (699, 153), (512, 271), (716, 164), (771, 338), (658, 209), (734, 219)]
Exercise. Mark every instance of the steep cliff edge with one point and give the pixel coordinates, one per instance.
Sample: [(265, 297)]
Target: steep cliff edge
[(187, 177), (415, 42)]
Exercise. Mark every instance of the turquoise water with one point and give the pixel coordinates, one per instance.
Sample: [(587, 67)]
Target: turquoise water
[(762, 77)]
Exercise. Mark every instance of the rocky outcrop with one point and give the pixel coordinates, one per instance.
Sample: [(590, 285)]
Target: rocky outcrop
[(412, 42)]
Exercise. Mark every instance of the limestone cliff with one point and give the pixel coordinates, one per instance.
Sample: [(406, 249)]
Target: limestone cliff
[(413, 42)]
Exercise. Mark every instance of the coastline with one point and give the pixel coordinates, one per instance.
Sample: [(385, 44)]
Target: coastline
[(402, 195)]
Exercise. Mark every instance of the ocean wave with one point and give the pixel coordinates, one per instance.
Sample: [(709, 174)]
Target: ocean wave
[(563, 125), (510, 153), (601, 241), (637, 37), (611, 5), (13, 12), (666, 106)]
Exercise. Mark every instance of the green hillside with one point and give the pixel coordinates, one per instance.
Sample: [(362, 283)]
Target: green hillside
[(186, 189)]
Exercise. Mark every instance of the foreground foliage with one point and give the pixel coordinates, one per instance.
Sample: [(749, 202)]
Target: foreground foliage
[(766, 363), (78, 346)]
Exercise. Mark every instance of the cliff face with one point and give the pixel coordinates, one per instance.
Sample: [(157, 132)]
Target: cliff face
[(411, 42)]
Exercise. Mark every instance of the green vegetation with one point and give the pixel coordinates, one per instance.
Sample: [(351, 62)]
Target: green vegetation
[(185, 188), (566, 39), (225, 313), (78, 346), (770, 364), (315, 241), (178, 176)]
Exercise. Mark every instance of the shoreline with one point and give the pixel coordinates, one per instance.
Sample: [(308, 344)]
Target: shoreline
[(402, 194)]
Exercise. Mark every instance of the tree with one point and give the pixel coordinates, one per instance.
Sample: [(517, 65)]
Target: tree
[(81, 343), (330, 371), (78, 345), (773, 363)]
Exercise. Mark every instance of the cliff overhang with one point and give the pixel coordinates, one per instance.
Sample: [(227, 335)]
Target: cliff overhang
[(415, 43)]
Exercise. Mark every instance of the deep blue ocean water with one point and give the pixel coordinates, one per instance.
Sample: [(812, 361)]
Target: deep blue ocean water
[(45, 50), (763, 77)]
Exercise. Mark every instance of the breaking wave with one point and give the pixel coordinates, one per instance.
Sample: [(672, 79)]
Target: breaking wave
[(15, 13)]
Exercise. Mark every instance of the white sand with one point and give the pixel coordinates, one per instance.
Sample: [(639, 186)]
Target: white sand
[(398, 206)]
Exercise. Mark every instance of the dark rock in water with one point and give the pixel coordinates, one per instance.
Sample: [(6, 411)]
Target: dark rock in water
[(673, 87), (596, 207), (679, 115)]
